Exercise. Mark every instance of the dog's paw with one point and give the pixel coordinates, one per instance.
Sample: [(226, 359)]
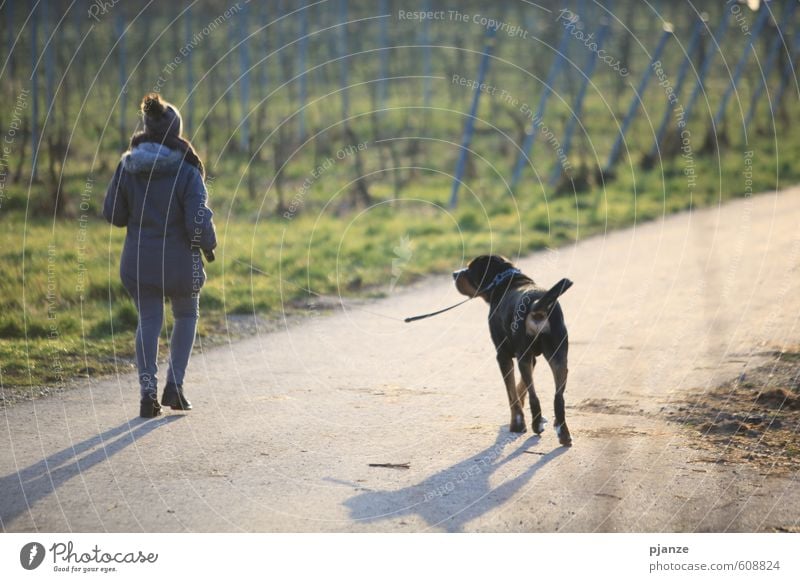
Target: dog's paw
[(517, 424), (518, 427), (564, 438)]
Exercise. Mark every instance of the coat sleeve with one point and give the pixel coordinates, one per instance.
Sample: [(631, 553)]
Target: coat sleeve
[(198, 216), (115, 206)]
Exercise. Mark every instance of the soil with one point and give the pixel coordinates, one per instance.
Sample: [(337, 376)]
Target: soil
[(753, 419)]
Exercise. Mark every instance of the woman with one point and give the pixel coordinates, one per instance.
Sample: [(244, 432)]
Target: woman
[(158, 193)]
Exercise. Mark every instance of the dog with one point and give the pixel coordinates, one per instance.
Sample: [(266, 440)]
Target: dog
[(525, 321)]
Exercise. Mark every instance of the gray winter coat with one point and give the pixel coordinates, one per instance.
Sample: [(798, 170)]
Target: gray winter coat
[(162, 201)]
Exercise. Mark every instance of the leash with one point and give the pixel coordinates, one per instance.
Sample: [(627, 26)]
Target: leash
[(307, 290), (562, 286), (427, 315), (495, 282)]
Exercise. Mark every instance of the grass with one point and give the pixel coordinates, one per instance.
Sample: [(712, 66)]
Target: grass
[(64, 313)]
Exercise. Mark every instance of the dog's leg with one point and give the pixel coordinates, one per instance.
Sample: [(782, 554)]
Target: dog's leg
[(522, 390), (507, 370), (559, 367), (526, 365)]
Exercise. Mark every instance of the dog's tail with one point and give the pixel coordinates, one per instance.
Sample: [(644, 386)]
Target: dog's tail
[(548, 300)]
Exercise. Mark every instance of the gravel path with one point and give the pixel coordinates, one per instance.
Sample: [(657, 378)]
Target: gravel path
[(286, 424)]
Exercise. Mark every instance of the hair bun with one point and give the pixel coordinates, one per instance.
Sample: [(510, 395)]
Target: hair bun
[(152, 105)]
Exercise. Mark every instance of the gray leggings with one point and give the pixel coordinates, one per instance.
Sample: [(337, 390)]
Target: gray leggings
[(150, 306)]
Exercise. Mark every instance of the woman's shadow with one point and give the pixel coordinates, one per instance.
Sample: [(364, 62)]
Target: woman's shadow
[(455, 496), (22, 489)]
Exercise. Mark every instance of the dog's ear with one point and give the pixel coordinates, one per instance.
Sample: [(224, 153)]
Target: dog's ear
[(497, 263), (506, 263), (483, 269)]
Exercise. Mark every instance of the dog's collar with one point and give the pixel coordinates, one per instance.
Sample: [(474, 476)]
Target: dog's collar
[(507, 274)]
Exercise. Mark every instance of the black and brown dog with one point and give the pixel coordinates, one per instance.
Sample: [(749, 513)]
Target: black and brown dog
[(525, 321)]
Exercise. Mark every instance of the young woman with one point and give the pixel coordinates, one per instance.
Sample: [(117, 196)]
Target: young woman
[(158, 192)]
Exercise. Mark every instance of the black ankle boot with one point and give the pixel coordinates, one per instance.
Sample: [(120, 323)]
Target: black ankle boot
[(149, 406), (174, 398)]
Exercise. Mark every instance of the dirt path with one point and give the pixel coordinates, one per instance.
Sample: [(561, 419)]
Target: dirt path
[(286, 424)]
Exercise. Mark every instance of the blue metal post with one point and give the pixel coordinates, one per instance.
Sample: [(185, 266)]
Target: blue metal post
[(189, 78), (788, 69), (772, 58), (384, 54), (684, 69), (426, 66), (265, 19), (303, 66), (637, 99), (244, 60), (119, 25), (10, 35), (469, 126), (530, 137), (578, 105), (280, 38), (49, 72), (709, 58), (34, 93), (343, 65), (761, 20)]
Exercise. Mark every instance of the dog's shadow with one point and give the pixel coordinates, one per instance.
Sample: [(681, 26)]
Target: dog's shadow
[(458, 494), (23, 488)]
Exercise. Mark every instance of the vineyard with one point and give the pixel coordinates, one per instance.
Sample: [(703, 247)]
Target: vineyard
[(353, 147)]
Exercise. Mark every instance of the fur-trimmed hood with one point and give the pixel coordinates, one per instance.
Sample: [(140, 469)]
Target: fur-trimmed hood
[(151, 157)]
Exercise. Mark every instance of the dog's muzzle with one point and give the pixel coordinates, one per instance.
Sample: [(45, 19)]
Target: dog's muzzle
[(457, 274)]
